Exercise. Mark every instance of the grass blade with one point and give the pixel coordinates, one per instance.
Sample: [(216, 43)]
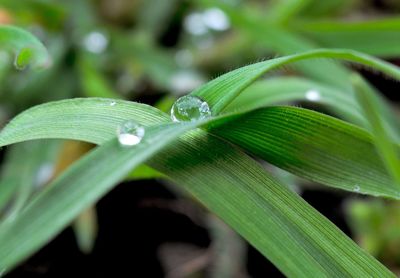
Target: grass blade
[(382, 139), (288, 231), (75, 190), (223, 90), (311, 145)]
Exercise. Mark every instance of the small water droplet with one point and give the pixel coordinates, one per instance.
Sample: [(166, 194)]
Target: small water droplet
[(95, 42), (313, 95), (113, 103), (190, 108), (356, 188), (130, 133)]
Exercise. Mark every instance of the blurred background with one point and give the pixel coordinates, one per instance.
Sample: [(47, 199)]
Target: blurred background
[(153, 51)]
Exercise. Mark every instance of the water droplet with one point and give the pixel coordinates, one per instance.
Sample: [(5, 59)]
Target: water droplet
[(113, 103), (183, 82), (190, 108), (23, 58), (216, 19), (356, 188), (95, 42), (130, 133), (313, 95)]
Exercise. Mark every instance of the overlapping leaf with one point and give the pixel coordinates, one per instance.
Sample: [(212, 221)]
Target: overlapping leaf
[(275, 220)]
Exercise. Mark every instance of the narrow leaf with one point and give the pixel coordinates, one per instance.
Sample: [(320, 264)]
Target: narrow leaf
[(311, 145), (382, 140), (223, 90)]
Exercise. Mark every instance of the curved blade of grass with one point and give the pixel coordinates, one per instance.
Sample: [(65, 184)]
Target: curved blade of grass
[(76, 189), (96, 118), (282, 41), (291, 138), (282, 226), (224, 89), (279, 90), (382, 140), (311, 145), (27, 48), (379, 37), (275, 220)]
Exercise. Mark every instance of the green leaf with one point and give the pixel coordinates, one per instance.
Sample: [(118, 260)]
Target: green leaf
[(280, 90), (288, 231), (85, 229), (376, 37), (223, 90), (87, 119), (26, 48), (76, 189), (387, 149), (313, 146), (294, 236)]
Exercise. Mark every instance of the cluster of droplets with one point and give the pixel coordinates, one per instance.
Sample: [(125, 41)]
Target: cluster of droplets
[(130, 133), (190, 108), (186, 108)]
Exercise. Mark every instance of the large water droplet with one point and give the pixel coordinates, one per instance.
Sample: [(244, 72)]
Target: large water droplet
[(130, 133), (313, 95), (357, 188), (190, 108)]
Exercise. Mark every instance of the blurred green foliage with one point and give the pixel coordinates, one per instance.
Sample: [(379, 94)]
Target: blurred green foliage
[(155, 50)]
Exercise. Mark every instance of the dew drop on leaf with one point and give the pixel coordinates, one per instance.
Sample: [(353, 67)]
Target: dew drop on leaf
[(113, 103), (130, 133), (190, 108), (356, 188)]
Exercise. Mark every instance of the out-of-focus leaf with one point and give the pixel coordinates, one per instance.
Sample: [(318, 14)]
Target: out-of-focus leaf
[(379, 37), (26, 48), (93, 83), (387, 149), (85, 228), (26, 168)]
